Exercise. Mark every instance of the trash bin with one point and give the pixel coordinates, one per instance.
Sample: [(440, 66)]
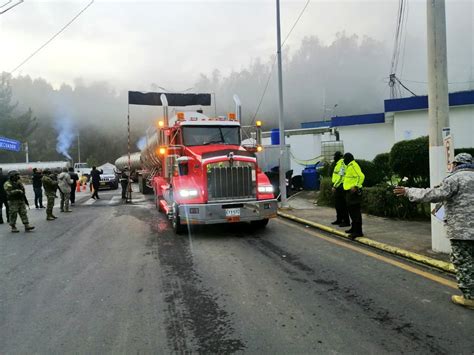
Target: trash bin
[(275, 136), (310, 178)]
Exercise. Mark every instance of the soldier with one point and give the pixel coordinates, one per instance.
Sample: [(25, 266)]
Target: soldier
[(3, 197), (17, 200), (456, 191), (64, 184), (50, 186)]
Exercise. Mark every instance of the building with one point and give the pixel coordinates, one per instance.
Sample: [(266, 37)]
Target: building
[(368, 135)]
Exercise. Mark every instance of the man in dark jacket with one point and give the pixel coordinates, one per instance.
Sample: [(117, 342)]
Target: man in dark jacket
[(95, 180), (50, 185), (3, 197), (74, 178), (38, 188)]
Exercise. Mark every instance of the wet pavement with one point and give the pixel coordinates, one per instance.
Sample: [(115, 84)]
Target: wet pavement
[(111, 278)]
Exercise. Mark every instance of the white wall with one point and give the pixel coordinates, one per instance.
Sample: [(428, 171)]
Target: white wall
[(414, 124), (368, 140)]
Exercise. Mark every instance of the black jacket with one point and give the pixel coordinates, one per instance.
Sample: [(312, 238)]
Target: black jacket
[(3, 180), (74, 178), (95, 176), (37, 183)]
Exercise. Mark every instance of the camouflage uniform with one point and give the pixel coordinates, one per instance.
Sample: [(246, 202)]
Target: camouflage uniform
[(50, 187), (457, 193), (16, 200)]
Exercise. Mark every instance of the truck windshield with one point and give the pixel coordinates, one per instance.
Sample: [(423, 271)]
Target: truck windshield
[(205, 135)]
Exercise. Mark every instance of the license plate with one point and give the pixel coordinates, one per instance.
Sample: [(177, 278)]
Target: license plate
[(232, 212), (102, 184)]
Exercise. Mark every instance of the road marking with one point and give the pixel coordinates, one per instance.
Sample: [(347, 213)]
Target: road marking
[(403, 266), (89, 201)]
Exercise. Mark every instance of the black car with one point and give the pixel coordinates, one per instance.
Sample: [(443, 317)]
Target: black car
[(109, 179)]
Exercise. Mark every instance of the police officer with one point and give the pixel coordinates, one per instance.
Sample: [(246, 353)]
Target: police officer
[(456, 191), (342, 216), (124, 176), (353, 180), (3, 197), (50, 186), (17, 200)]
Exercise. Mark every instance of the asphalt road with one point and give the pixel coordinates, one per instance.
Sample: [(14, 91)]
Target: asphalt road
[(113, 278)]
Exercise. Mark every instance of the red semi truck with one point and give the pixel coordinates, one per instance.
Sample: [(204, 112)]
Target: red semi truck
[(201, 173)]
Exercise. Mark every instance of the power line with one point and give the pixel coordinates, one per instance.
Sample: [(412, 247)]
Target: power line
[(274, 60), (52, 38), (11, 7)]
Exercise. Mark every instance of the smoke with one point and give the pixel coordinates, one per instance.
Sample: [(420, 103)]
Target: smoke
[(65, 130), (141, 143)]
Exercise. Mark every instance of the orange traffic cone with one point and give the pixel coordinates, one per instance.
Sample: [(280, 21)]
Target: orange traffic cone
[(78, 186)]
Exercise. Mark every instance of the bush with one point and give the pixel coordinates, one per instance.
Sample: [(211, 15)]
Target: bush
[(379, 200), (373, 175), (382, 162), (326, 197), (411, 159)]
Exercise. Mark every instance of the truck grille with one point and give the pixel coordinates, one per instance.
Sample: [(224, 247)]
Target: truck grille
[(231, 182)]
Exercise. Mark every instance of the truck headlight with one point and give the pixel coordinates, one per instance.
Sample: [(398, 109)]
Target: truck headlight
[(265, 189), (188, 192)]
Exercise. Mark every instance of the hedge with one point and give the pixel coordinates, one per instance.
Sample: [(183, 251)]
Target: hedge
[(410, 159), (379, 200), (464, 150)]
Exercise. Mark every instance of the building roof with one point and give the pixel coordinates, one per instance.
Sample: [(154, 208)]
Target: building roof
[(392, 105), (421, 102)]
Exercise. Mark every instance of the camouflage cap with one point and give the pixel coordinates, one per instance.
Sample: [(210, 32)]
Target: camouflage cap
[(13, 173), (463, 158)]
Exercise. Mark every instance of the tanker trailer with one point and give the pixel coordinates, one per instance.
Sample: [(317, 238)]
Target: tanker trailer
[(135, 164), (198, 169), (27, 168)]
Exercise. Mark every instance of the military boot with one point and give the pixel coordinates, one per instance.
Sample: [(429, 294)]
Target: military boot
[(14, 229), (54, 217), (50, 218), (28, 228), (460, 300)]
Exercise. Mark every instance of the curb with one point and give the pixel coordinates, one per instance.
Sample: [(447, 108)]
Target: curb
[(426, 260)]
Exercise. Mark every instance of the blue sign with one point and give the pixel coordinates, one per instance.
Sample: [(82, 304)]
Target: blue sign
[(9, 144)]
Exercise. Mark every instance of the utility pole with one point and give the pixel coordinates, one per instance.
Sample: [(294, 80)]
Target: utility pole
[(282, 168), (438, 107), (78, 148), (27, 153)]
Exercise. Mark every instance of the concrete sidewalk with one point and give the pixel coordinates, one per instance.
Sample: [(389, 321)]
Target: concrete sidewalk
[(410, 236)]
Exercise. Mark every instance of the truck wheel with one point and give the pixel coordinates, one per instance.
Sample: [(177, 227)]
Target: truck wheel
[(260, 224), (178, 228)]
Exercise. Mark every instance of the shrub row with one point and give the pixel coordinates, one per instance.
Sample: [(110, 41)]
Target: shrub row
[(379, 200)]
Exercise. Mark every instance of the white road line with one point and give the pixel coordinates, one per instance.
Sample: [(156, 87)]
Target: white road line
[(114, 200), (89, 201)]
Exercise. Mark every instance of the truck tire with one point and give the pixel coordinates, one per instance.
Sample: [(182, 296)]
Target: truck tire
[(178, 228), (260, 224)]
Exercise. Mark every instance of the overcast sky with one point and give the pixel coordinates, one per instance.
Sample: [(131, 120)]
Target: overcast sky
[(132, 44)]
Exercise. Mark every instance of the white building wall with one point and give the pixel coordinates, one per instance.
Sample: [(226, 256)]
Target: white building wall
[(368, 140), (414, 124)]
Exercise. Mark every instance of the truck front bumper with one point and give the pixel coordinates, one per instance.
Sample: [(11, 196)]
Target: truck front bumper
[(213, 213)]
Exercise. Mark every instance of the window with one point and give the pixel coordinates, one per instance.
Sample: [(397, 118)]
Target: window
[(205, 135)]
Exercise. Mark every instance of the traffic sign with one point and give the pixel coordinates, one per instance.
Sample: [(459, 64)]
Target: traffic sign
[(10, 144)]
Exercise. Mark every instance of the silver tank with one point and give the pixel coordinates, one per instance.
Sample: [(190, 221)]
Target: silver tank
[(27, 168), (135, 160), (149, 156)]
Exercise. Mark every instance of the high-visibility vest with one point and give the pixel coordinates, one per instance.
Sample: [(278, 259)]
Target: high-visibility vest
[(354, 177), (338, 173)]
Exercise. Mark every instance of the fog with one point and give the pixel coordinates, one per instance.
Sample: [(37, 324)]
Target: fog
[(343, 72)]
